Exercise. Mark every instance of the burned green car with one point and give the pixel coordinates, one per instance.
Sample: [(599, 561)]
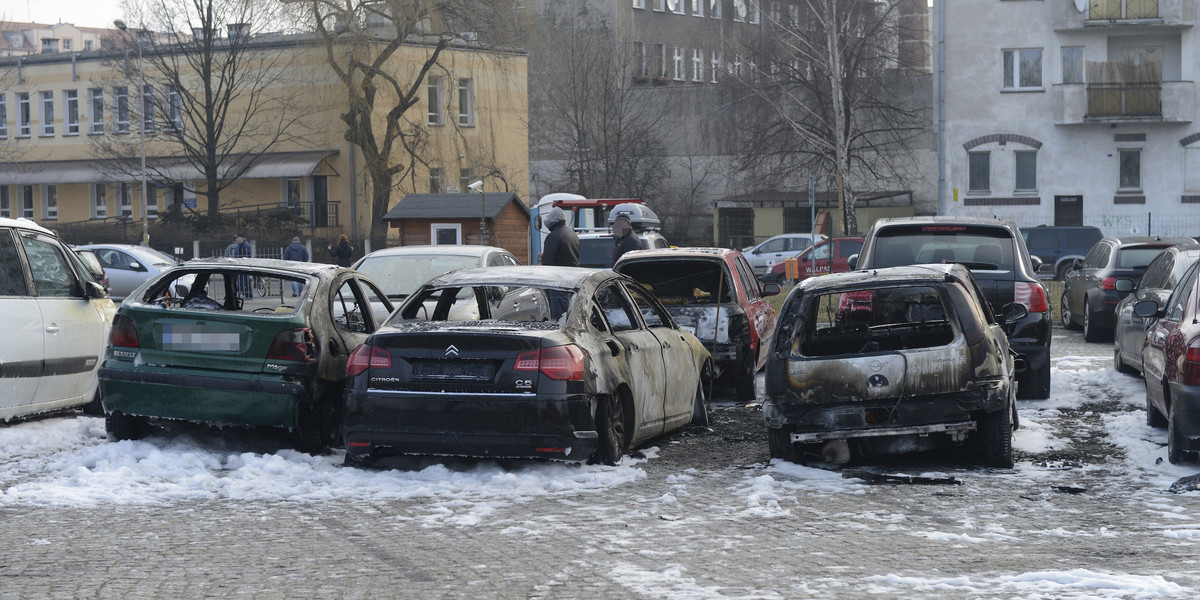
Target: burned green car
[(889, 361), (238, 341)]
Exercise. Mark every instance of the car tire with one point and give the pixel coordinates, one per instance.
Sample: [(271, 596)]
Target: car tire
[(779, 442), (1091, 333), (1176, 441), (120, 426), (744, 385), (610, 424), (1061, 274), (995, 438), (94, 408), (1153, 417), (1064, 311), (701, 410), (320, 425)]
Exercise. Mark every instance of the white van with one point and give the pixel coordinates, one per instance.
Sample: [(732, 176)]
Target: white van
[(54, 322)]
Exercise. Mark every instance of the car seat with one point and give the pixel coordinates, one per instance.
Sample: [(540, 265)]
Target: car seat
[(943, 255), (990, 254)]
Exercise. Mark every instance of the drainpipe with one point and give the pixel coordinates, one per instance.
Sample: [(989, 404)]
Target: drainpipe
[(353, 180), (941, 105)]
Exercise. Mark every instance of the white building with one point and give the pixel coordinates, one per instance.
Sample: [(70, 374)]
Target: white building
[(1073, 112)]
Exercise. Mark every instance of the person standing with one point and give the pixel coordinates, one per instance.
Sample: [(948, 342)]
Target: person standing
[(562, 245), (624, 237), (297, 252), (342, 251), (240, 248)]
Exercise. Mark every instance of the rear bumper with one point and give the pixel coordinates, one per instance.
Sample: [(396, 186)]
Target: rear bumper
[(381, 422), (952, 414), (1185, 407)]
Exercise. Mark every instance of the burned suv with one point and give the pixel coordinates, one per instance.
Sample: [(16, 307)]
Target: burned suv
[(890, 361), (995, 253)]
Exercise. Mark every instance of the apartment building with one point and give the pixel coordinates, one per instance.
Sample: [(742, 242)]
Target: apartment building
[(24, 39)]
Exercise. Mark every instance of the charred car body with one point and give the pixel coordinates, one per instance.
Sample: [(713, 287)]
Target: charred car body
[(713, 293), (524, 379), (888, 361)]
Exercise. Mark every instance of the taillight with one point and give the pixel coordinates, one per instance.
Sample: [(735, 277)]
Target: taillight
[(1108, 283), (293, 344), (1191, 364), (564, 363), (364, 357), (123, 334), (1032, 295)]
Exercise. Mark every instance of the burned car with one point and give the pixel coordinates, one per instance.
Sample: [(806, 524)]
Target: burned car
[(889, 361), (713, 293), (561, 363), (223, 341)]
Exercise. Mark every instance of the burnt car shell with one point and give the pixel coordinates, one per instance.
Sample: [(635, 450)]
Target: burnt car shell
[(937, 370)]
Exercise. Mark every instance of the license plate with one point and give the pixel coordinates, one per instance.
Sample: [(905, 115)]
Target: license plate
[(199, 337), (464, 370)]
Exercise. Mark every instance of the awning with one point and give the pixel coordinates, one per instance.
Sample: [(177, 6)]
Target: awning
[(266, 166)]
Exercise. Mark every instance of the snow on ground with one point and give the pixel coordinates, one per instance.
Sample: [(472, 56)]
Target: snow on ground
[(1075, 583)]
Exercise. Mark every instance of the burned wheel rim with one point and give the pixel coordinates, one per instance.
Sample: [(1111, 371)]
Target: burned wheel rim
[(1176, 441), (1065, 312), (611, 423)]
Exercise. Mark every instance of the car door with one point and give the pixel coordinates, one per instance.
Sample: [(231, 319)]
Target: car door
[(640, 350), (767, 254), (20, 363), (1080, 280), (122, 276), (353, 320), (1164, 339), (679, 371), (759, 312), (74, 331), (1129, 329)]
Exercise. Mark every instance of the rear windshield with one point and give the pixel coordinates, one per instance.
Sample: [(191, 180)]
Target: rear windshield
[(595, 252), (399, 276), (682, 282), (872, 320), (978, 248), (1138, 257), (218, 290), (508, 303)]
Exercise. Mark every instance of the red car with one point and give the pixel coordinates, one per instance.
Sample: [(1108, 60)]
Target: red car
[(1171, 363), (818, 260), (712, 292)]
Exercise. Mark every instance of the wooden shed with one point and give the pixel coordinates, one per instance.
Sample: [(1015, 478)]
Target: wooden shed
[(454, 219)]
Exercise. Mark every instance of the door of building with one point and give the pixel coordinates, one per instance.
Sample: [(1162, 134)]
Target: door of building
[(1068, 210)]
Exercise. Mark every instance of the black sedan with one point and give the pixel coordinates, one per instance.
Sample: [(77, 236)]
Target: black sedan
[(1090, 295), (1160, 278), (561, 363)]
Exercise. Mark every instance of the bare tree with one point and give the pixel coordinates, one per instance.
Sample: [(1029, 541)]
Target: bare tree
[(825, 92), (213, 102)]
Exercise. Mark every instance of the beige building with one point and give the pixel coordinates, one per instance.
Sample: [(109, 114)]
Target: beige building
[(62, 115), (24, 39)]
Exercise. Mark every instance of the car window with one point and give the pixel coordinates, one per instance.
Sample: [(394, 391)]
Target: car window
[(380, 307), (887, 318), (1178, 299), (775, 245), (399, 276), (1136, 258), (1159, 270), (849, 247), (749, 282), (12, 276), (113, 259), (1098, 257), (348, 313), (661, 243), (977, 247), (819, 252), (1180, 266), (51, 270), (1081, 238), (1041, 239), (652, 314), (617, 311)]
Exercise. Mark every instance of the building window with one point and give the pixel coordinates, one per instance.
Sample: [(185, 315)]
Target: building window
[(99, 200), (96, 99), (1072, 65), (87, 45), (753, 14), (1131, 169), (698, 8), (72, 98), (122, 95), (67, 45), (437, 180), (49, 45), (676, 6), (27, 201), (739, 11), (23, 115), (5, 209), (1026, 163), (125, 193), (174, 109), (639, 3), (1023, 69), (47, 114), (716, 66), (466, 102), (639, 59), (660, 5), (464, 179), (3, 115), (714, 8), (979, 171), (148, 109), (151, 201), (291, 192), (697, 65), (680, 72), (660, 60), (437, 109), (445, 234)]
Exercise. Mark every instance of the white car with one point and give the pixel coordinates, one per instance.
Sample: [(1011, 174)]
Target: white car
[(401, 270), (54, 319), (128, 266), (765, 255)]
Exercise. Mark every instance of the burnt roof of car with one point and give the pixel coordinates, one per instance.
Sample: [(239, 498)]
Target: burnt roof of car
[(887, 275), (537, 275), (944, 220), (1146, 240), (309, 268)]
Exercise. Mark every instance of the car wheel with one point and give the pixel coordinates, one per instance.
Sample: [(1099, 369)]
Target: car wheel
[(701, 411), (1065, 313), (995, 438), (1176, 442), (1061, 275), (120, 426), (1091, 333), (320, 423), (94, 408), (610, 423), (779, 441), (744, 386), (1153, 417)]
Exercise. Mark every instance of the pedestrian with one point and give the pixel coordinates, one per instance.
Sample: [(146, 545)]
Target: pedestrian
[(342, 251), (624, 237), (562, 245), (297, 252), (240, 248)]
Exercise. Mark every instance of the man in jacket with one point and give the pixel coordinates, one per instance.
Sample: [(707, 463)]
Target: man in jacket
[(624, 237), (297, 252), (240, 248), (562, 245)]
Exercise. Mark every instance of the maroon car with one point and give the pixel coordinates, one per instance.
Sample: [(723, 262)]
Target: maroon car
[(826, 256), (1171, 363)]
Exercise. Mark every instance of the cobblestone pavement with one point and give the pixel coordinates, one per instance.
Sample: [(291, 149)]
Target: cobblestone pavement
[(711, 518)]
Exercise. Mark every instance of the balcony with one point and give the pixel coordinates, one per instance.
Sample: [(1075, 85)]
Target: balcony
[(1166, 102), (1173, 14)]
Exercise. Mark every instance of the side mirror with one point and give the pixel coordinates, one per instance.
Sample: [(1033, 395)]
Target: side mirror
[(1147, 309), (1013, 312), (770, 289), (91, 289), (1124, 285), (852, 261), (537, 222), (1037, 263), (136, 266)]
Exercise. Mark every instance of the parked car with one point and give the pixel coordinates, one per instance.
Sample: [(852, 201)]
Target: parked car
[(712, 293), (609, 373), (1171, 366), (596, 249), (1160, 278), (889, 361), (94, 268), (400, 271), (1058, 246), (129, 266), (1090, 296), (55, 319), (205, 352), (826, 256), (995, 253), (774, 249)]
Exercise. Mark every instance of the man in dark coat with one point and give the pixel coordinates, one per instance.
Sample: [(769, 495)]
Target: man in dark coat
[(297, 252), (240, 248), (624, 237), (562, 245)]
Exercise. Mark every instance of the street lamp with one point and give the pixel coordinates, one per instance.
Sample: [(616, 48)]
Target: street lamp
[(142, 134), (483, 229)]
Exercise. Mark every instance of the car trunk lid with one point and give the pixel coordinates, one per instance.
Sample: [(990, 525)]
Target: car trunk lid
[(459, 359), (234, 341)]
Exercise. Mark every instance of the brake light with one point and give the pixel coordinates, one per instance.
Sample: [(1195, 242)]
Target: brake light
[(936, 228), (564, 363), (1108, 283), (1032, 295), (123, 334), (367, 357), (294, 345), (1191, 364)]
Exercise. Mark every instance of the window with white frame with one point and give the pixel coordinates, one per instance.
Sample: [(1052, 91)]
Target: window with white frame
[(660, 5), (66, 45), (174, 108), (714, 8), (698, 8), (660, 60), (435, 96), (47, 114), (752, 12), (96, 114), (676, 6), (1072, 64), (466, 102), (716, 66), (979, 171), (148, 108), (1191, 169), (5, 207), (735, 67), (24, 129), (3, 115), (639, 59), (639, 3), (1026, 168), (740, 11), (445, 234), (121, 93), (793, 15), (125, 197), (151, 200), (72, 99), (680, 72), (437, 180), (99, 200), (27, 201), (697, 65), (1023, 69), (87, 45), (291, 192), (464, 179), (1130, 176)]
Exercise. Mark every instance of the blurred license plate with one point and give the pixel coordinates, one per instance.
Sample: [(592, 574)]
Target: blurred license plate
[(474, 370), (199, 337)]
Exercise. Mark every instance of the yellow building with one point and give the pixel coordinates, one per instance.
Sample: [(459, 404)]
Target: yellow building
[(63, 117)]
